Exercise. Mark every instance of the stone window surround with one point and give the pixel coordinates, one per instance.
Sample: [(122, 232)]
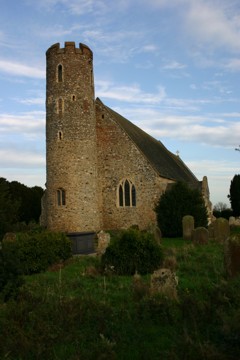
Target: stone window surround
[(126, 194), (59, 73), (61, 197)]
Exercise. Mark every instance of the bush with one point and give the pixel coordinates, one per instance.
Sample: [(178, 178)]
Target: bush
[(36, 251), (10, 273), (177, 202), (132, 251)]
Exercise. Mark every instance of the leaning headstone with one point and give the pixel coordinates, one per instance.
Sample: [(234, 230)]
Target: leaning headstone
[(187, 226), (232, 255), (221, 230), (164, 281), (103, 242), (200, 236)]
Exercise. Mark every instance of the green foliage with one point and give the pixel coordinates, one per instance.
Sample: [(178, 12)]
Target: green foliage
[(10, 272), (71, 314), (221, 210), (18, 204), (234, 195), (133, 251), (36, 251), (8, 208), (29, 200), (177, 202)]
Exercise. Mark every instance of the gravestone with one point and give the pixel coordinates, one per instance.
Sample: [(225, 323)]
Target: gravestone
[(200, 235), (9, 237), (157, 234), (164, 281), (103, 242), (232, 255), (221, 229), (187, 226), (232, 220), (211, 231)]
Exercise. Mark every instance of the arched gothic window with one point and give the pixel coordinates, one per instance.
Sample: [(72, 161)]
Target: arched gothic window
[(126, 194), (61, 197), (60, 73)]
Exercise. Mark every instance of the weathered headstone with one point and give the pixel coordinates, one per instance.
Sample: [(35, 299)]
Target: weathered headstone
[(211, 231), (9, 237), (200, 236), (164, 281), (187, 226), (232, 255), (221, 230), (232, 220), (103, 242), (157, 234)]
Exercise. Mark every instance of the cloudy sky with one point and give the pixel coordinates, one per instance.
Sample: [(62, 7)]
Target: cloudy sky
[(171, 67)]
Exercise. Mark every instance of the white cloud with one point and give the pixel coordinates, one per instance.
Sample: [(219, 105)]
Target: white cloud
[(132, 94), (17, 69), (173, 65), (16, 158), (31, 123), (32, 101), (211, 24)]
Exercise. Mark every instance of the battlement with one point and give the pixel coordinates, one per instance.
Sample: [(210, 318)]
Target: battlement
[(69, 46)]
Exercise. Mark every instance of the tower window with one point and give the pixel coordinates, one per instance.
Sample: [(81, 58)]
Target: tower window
[(126, 194), (73, 98), (61, 197), (60, 106), (60, 135), (59, 73)]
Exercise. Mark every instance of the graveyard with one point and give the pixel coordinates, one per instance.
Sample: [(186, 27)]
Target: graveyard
[(188, 309)]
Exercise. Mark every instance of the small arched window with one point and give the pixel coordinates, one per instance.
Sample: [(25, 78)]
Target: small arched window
[(61, 197), (60, 135), (60, 73), (126, 194)]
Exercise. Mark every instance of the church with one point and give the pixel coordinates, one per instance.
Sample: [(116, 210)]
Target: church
[(102, 171)]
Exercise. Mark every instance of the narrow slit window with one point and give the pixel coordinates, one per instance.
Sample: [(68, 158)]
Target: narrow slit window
[(133, 196), (60, 135), (60, 73), (61, 197), (127, 193), (60, 106), (120, 195)]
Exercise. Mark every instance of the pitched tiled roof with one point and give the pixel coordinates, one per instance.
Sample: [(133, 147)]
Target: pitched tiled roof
[(165, 163)]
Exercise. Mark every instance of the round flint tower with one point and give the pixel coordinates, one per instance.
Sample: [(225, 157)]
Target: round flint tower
[(71, 200)]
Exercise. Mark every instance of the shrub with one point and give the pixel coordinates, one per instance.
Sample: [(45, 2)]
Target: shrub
[(177, 202), (36, 251), (132, 251), (10, 273)]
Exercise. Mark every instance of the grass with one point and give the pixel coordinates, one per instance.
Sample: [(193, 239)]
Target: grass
[(74, 312)]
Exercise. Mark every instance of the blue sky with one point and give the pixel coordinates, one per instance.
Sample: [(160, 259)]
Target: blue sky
[(171, 67)]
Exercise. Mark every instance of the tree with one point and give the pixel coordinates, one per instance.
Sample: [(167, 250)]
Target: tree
[(177, 202), (234, 195), (29, 200), (221, 210), (8, 207)]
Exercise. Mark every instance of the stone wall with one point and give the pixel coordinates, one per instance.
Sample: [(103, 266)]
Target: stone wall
[(71, 140), (118, 159)]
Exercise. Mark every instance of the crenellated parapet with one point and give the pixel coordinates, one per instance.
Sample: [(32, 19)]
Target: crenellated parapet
[(69, 47)]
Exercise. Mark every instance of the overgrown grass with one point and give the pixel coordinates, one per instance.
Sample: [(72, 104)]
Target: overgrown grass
[(73, 311)]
